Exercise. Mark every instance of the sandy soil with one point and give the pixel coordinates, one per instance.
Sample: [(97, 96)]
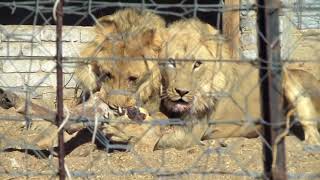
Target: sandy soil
[(233, 158)]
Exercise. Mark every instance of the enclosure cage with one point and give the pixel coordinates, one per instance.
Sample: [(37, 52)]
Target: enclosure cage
[(89, 93)]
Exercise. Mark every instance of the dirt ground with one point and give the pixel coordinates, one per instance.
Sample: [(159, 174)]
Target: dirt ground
[(233, 158)]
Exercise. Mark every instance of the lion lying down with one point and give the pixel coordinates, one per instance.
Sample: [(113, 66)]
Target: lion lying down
[(123, 41), (199, 90)]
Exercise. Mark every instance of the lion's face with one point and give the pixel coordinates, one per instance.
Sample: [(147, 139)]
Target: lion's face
[(190, 78), (121, 77), (120, 81), (187, 81)]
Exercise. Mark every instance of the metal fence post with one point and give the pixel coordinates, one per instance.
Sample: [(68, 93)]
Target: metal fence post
[(271, 87), (61, 153)]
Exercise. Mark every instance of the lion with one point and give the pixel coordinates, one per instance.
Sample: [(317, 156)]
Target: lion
[(122, 58), (123, 44), (193, 85), (193, 89), (199, 86), (119, 64), (189, 39)]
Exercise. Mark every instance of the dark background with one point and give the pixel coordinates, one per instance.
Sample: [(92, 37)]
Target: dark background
[(76, 11)]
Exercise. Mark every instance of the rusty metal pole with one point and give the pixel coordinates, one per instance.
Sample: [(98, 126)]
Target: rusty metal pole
[(231, 26), (271, 87), (61, 153)]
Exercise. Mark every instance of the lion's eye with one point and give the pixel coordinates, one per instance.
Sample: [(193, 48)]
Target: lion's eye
[(197, 64), (171, 63), (132, 78)]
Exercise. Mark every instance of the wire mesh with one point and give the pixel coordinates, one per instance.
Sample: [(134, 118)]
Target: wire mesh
[(118, 74)]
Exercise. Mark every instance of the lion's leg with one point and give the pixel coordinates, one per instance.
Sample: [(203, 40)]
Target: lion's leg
[(153, 134), (143, 136), (304, 106), (182, 136), (165, 135), (306, 113), (176, 138), (150, 139)]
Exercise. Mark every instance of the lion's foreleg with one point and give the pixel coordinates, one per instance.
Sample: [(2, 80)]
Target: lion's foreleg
[(305, 109), (175, 138), (181, 136), (143, 136)]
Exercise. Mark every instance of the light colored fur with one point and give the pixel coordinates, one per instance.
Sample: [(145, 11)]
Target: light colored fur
[(188, 40), (123, 43), (303, 92), (217, 90)]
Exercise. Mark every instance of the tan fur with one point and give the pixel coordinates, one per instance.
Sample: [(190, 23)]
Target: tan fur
[(192, 40), (303, 92), (196, 50), (224, 92), (189, 40), (215, 90), (123, 42), (118, 63)]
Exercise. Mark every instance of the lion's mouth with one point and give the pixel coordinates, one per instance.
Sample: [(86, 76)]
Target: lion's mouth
[(179, 106)]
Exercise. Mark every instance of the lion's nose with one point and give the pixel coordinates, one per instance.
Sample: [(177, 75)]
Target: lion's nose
[(181, 92)]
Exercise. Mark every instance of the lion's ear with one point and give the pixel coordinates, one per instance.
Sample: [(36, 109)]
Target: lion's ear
[(215, 42), (154, 37), (148, 37), (86, 75), (211, 30), (105, 26)]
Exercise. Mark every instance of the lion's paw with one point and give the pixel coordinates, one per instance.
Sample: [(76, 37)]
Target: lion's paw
[(312, 137)]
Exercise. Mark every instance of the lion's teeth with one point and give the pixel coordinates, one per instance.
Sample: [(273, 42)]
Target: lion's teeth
[(120, 110), (106, 115)]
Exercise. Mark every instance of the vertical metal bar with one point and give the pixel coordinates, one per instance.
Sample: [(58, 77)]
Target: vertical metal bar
[(299, 9), (231, 25), (271, 87), (61, 153)]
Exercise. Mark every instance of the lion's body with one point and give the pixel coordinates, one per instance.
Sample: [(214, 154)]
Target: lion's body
[(190, 87), (200, 84), (198, 90), (240, 108)]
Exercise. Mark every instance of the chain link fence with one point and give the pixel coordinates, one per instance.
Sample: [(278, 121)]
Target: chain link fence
[(174, 89)]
